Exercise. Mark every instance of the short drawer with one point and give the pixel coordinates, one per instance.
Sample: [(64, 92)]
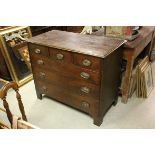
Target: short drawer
[(87, 61), (60, 56), (38, 50), (38, 61)]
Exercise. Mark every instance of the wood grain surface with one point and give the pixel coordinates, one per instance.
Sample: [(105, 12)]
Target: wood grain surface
[(98, 46)]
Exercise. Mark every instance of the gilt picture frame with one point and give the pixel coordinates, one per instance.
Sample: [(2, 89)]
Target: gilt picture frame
[(145, 82), (148, 80), (123, 32), (12, 40)]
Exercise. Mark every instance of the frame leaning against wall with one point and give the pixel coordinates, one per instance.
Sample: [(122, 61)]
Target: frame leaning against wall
[(11, 60)]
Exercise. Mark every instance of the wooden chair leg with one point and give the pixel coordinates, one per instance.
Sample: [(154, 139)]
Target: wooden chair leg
[(21, 107), (8, 112)]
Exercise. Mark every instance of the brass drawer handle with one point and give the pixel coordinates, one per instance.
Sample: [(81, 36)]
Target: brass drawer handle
[(44, 88), (37, 51), (59, 56), (85, 90), (40, 62), (86, 62), (42, 75), (85, 75), (85, 104)]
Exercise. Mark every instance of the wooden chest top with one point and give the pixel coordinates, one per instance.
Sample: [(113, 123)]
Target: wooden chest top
[(98, 46)]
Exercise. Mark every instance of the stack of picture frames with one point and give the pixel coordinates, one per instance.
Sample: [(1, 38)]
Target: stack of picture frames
[(144, 78), (133, 82)]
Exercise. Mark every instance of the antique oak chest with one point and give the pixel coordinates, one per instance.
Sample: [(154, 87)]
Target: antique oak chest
[(82, 71)]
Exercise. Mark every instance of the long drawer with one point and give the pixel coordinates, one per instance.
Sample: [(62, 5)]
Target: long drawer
[(65, 70), (72, 85), (59, 93)]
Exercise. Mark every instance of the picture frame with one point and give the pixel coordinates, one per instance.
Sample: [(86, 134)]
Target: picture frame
[(142, 80), (13, 39), (122, 32), (145, 82), (140, 77), (148, 80)]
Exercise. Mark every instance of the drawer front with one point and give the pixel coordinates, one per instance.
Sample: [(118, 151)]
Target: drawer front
[(38, 50), (60, 56), (66, 70), (58, 93), (87, 61), (39, 61), (74, 86)]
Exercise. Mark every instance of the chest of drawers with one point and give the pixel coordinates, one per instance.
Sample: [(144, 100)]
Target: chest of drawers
[(81, 71)]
